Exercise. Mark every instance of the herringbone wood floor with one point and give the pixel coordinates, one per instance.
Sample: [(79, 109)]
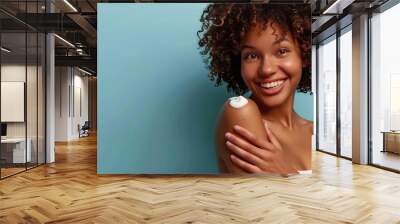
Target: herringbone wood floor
[(70, 191)]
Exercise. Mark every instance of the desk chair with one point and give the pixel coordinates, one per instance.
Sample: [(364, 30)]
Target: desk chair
[(84, 130)]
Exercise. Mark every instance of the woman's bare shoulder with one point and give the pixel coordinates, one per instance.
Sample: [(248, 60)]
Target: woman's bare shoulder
[(237, 111), (307, 124), (231, 112)]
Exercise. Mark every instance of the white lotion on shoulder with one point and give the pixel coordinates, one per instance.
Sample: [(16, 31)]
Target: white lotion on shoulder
[(238, 101), (305, 171)]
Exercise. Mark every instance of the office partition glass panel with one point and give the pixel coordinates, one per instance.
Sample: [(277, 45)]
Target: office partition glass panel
[(22, 88), (327, 95), (41, 79), (32, 95), (346, 92), (32, 85), (15, 151), (385, 89)]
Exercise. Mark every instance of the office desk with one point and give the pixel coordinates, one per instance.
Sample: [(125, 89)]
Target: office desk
[(15, 148), (391, 141)]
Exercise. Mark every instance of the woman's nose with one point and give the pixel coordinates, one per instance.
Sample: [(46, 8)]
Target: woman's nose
[(268, 67)]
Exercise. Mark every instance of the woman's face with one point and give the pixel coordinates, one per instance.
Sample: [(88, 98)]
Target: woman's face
[(271, 64)]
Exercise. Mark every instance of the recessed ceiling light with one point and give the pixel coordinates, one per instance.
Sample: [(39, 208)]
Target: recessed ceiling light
[(5, 50), (84, 71), (70, 5), (64, 40), (338, 6)]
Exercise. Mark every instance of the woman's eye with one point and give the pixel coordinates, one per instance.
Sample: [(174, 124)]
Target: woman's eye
[(251, 56), (282, 51)]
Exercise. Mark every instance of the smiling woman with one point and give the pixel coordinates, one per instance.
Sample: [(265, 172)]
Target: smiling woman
[(264, 49)]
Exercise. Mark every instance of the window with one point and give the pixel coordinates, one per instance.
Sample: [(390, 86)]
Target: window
[(385, 89), (327, 95), (346, 75)]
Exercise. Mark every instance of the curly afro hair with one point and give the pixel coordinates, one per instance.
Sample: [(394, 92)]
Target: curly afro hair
[(223, 26)]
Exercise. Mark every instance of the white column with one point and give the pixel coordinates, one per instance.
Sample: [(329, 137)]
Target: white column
[(50, 110), (360, 90), (50, 93)]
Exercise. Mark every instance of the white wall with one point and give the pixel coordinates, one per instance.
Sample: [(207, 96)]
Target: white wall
[(62, 81), (79, 117), (70, 84)]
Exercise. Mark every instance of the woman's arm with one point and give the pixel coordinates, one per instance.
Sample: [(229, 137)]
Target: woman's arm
[(237, 111)]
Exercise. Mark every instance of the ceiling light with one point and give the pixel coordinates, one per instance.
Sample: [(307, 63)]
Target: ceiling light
[(338, 6), (5, 50), (65, 41), (84, 71), (71, 6)]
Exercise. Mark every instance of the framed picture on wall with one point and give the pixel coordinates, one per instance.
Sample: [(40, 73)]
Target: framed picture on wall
[(12, 101)]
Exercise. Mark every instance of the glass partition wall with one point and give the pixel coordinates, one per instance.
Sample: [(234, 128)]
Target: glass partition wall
[(326, 59), (13, 88), (22, 88), (345, 93), (334, 83)]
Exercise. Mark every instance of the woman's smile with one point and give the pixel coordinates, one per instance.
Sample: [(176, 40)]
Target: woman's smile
[(273, 87)]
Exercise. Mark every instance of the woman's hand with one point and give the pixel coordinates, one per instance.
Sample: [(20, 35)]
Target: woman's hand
[(255, 155)]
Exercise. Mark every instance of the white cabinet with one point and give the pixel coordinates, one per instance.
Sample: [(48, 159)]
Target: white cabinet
[(18, 149)]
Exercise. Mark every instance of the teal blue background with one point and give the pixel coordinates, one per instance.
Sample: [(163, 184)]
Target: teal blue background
[(157, 108)]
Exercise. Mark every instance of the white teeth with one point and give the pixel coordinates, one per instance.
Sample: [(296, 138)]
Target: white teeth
[(272, 84)]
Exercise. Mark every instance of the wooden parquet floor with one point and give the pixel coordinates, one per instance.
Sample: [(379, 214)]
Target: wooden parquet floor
[(70, 191)]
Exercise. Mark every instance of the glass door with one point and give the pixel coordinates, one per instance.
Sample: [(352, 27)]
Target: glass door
[(326, 59), (14, 153), (345, 92), (22, 77)]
